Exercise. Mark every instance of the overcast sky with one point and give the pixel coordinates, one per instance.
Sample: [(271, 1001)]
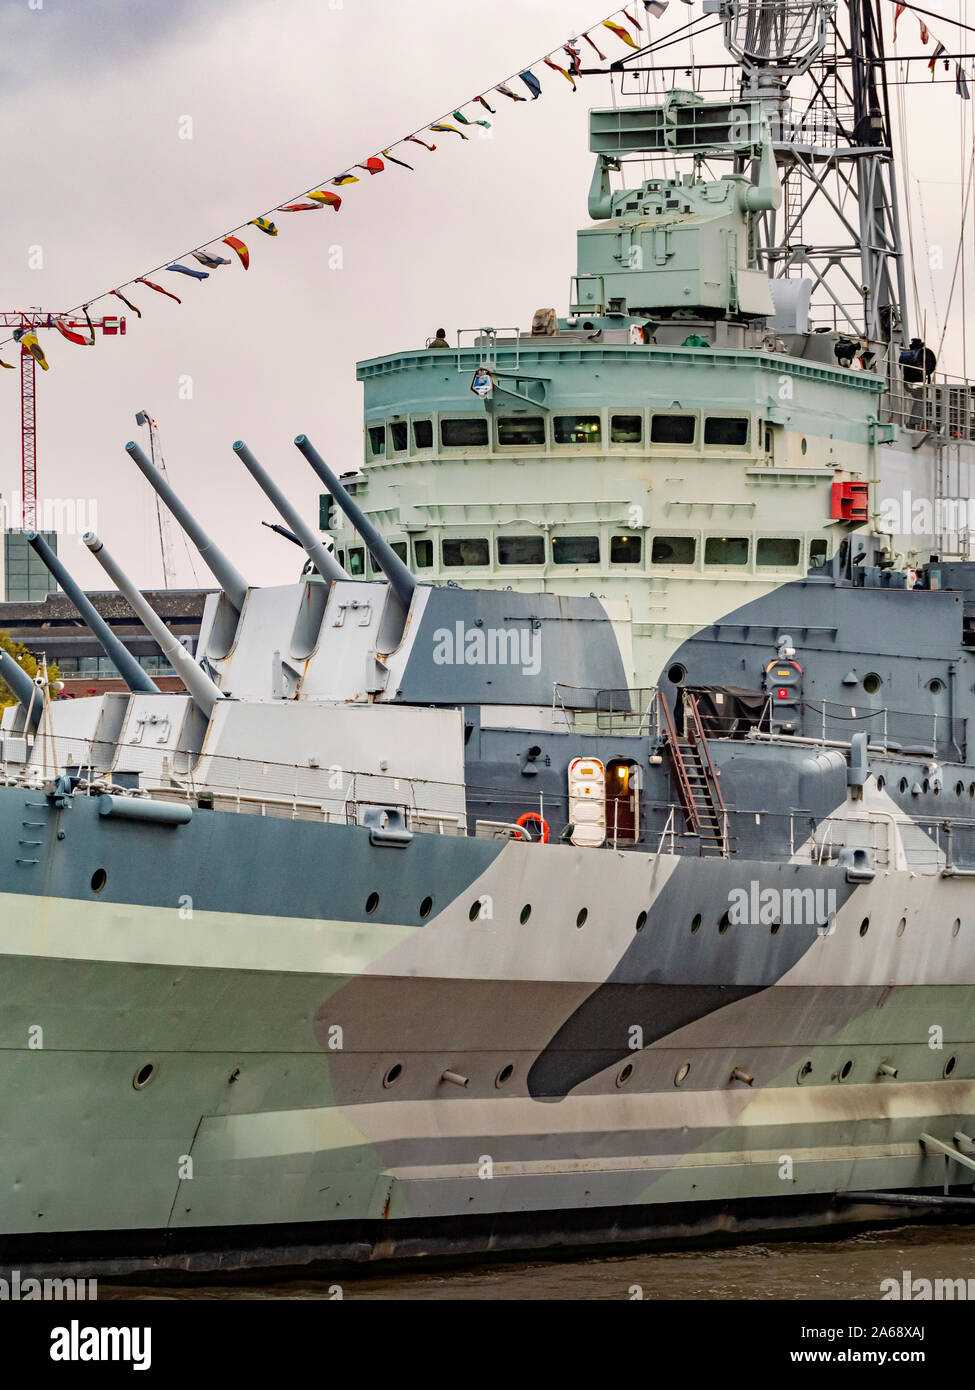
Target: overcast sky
[(283, 95)]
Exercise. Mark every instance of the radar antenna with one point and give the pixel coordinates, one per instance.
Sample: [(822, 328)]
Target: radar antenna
[(817, 69), (833, 147)]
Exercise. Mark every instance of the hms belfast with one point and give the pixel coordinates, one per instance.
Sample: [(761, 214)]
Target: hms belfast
[(579, 853)]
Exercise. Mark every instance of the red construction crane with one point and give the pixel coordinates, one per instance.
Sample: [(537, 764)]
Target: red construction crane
[(24, 323)]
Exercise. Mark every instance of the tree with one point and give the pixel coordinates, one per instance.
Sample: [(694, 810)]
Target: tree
[(23, 658)]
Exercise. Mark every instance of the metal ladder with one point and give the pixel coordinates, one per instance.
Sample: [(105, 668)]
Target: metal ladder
[(696, 778)]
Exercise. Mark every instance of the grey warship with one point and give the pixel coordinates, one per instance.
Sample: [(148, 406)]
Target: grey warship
[(475, 911)]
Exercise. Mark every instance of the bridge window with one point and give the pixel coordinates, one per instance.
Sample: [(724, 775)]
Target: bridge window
[(398, 438), (521, 550), (672, 429), (468, 550), (673, 550), (818, 551), (726, 550), (398, 547), (464, 434), (626, 429), (357, 560), (377, 441), (575, 550), (727, 430), (625, 550), (423, 434), (422, 555), (521, 430), (577, 429), (770, 550)]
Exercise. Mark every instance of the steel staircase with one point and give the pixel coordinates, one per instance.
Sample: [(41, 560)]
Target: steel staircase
[(696, 778)]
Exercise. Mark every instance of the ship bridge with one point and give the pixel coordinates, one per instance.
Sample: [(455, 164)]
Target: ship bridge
[(686, 437)]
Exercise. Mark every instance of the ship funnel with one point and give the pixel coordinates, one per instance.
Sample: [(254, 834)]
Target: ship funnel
[(230, 580), (203, 691), (400, 578), (125, 663), (29, 695), (323, 560)]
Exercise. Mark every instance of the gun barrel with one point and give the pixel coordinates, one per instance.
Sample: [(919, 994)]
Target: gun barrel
[(400, 578), (125, 663), (227, 576), (283, 531), (27, 693), (322, 558), (204, 692)]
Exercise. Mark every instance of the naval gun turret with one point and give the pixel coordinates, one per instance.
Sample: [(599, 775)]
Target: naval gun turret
[(320, 556), (28, 694), (683, 246), (203, 691), (400, 578), (124, 662), (227, 576)]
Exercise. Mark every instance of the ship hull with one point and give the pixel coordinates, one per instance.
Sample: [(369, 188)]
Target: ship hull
[(335, 1080)]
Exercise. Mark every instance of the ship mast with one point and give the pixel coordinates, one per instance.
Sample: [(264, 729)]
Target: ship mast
[(818, 69), (832, 141)]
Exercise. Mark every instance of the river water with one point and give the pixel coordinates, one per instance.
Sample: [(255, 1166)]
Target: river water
[(851, 1268)]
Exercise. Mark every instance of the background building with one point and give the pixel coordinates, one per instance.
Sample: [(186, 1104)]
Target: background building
[(53, 627), (23, 576)]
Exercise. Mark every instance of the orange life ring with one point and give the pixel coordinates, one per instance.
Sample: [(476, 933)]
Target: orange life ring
[(530, 816)]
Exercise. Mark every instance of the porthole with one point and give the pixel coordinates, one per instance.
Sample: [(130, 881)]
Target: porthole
[(143, 1076), (724, 924), (581, 916), (804, 1072), (525, 913), (696, 922), (924, 786), (682, 1072), (959, 789), (902, 926), (881, 783), (98, 880), (845, 1069), (624, 1074), (426, 907), (475, 910), (676, 673), (956, 926), (864, 926), (372, 902), (774, 929), (641, 921), (504, 1076), (936, 686), (902, 785), (872, 683), (971, 789), (803, 446), (950, 1065), (393, 1075)]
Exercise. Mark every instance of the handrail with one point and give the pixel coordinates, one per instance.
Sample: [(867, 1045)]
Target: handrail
[(701, 742), (677, 763)]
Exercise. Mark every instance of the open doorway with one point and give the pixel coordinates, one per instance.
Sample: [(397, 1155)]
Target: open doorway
[(622, 801)]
